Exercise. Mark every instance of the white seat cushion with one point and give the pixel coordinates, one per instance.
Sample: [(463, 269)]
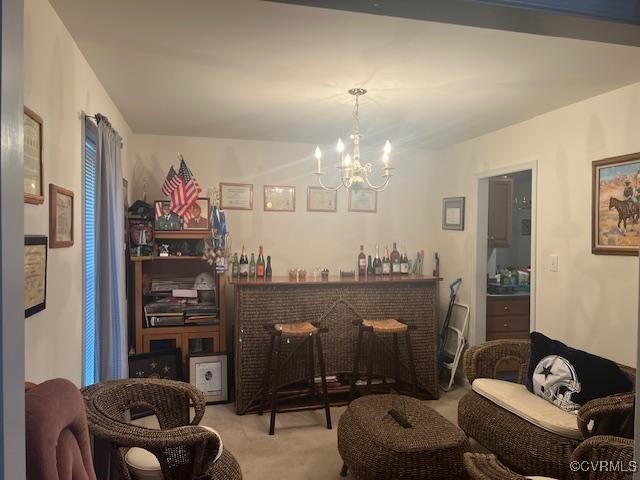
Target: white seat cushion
[(518, 400), (144, 465)]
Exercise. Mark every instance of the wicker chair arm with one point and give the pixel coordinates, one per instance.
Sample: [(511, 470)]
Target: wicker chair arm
[(487, 467), (603, 448), (480, 361), (600, 410)]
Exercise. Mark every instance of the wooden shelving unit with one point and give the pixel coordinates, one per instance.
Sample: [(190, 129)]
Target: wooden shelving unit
[(181, 235)]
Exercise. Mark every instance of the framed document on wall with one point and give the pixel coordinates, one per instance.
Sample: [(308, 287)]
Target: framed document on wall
[(236, 196), (321, 200), (33, 187), (363, 201), (60, 216), (35, 274), (279, 198), (208, 373)]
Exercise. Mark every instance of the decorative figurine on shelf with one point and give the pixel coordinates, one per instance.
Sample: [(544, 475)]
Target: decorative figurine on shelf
[(164, 250)]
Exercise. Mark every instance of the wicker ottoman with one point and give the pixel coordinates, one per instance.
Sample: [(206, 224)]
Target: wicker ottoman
[(374, 446)]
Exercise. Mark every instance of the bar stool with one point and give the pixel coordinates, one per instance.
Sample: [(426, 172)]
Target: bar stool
[(382, 327), (306, 331)]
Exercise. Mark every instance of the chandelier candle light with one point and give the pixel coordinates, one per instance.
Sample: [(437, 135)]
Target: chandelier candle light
[(354, 174)]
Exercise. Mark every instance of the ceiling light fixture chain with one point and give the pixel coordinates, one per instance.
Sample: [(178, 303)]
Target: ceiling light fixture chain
[(354, 174)]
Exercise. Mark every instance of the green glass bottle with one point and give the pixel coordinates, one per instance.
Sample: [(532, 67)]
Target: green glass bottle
[(235, 271), (252, 266)]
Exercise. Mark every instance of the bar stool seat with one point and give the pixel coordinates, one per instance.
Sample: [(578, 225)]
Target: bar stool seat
[(389, 325), (298, 329)]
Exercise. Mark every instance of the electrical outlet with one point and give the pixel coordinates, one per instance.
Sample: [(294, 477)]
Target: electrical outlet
[(553, 263)]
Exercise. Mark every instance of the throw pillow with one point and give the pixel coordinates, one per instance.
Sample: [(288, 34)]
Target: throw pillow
[(568, 377)]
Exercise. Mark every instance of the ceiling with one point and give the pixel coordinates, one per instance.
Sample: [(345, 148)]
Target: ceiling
[(257, 70)]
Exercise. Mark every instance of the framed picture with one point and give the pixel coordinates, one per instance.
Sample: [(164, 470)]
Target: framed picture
[(165, 218), (453, 213), (35, 274), (236, 196), (363, 201), (279, 198), (615, 208), (33, 186), (60, 217), (208, 373), (321, 200), (198, 216)]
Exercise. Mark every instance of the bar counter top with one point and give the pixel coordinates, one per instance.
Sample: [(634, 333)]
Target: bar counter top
[(334, 280)]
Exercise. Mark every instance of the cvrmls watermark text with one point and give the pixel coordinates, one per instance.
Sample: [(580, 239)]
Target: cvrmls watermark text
[(604, 466)]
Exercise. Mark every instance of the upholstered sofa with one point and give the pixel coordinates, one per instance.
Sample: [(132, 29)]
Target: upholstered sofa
[(524, 431)]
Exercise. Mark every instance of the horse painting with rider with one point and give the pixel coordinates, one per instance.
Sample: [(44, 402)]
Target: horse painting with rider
[(618, 207)]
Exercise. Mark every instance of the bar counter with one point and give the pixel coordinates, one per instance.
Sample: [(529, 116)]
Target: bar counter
[(335, 303)]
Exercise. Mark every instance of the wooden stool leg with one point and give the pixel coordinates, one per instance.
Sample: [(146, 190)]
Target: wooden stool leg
[(323, 378), (396, 360), (370, 360), (311, 373), (412, 365), (274, 387), (356, 364), (345, 469), (267, 376)]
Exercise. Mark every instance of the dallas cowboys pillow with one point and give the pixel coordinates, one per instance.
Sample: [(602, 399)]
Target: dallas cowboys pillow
[(569, 378)]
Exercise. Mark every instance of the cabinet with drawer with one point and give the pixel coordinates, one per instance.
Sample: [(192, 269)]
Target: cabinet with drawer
[(507, 317)]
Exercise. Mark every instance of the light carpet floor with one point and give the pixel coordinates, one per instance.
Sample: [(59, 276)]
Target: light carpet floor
[(301, 449)]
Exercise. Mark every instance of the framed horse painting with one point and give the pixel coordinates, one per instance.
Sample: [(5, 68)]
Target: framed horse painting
[(616, 205)]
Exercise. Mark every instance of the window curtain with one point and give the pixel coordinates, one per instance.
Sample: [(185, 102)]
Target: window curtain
[(111, 330)]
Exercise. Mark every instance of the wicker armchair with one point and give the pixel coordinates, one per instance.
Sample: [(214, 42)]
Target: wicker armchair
[(183, 449), (589, 454), (518, 444)]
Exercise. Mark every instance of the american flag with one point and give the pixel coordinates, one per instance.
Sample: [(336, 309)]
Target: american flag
[(171, 182), (185, 195)]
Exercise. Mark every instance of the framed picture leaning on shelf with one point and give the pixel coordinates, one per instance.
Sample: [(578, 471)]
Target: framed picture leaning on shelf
[(208, 373), (165, 219), (197, 218)]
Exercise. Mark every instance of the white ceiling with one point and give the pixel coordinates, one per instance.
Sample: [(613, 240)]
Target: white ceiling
[(267, 71)]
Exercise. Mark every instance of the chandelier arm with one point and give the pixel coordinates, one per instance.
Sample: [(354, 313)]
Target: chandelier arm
[(378, 188), (331, 189)]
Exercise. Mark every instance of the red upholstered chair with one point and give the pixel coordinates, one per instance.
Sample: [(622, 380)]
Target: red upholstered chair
[(58, 446)]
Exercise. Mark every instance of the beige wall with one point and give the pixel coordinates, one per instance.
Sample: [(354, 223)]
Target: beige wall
[(304, 239), (59, 84), (591, 302)]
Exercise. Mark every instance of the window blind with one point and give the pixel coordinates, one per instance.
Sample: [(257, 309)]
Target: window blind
[(89, 209)]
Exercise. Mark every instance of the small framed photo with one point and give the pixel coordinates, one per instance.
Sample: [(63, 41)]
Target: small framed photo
[(166, 220), (236, 196), (321, 200), (279, 198), (453, 213), (33, 159), (35, 274), (60, 217), (364, 200), (208, 373), (197, 218)]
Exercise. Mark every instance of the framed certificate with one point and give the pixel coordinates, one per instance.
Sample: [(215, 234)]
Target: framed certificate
[(236, 196), (208, 373), (321, 200), (35, 274), (453, 213), (363, 201), (33, 188), (60, 216), (279, 198)]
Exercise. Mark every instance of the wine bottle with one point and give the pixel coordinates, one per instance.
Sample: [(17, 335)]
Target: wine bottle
[(377, 263), (404, 263), (260, 264), (369, 267), (386, 262), (362, 263), (267, 271), (234, 266), (395, 260), (243, 265), (252, 266)]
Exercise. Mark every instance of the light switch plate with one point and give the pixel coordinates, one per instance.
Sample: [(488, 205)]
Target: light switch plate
[(553, 263)]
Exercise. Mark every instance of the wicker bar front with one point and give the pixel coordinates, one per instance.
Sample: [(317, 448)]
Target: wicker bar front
[(375, 447), (335, 306)]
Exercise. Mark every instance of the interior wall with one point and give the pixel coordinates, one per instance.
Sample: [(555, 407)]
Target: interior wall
[(299, 239), (59, 84), (591, 302)]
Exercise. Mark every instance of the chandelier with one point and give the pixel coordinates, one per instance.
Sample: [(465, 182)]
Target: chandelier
[(353, 173)]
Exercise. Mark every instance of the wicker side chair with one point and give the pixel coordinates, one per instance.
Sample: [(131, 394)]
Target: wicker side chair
[(596, 457), (519, 444), (184, 450)]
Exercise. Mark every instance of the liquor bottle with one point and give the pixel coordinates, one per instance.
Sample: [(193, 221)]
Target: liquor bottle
[(362, 263), (377, 263), (369, 267), (386, 262), (234, 266), (404, 263), (252, 266), (260, 264), (267, 270), (395, 260), (243, 265)]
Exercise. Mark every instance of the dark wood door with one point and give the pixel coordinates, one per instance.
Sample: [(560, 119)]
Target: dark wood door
[(500, 211)]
